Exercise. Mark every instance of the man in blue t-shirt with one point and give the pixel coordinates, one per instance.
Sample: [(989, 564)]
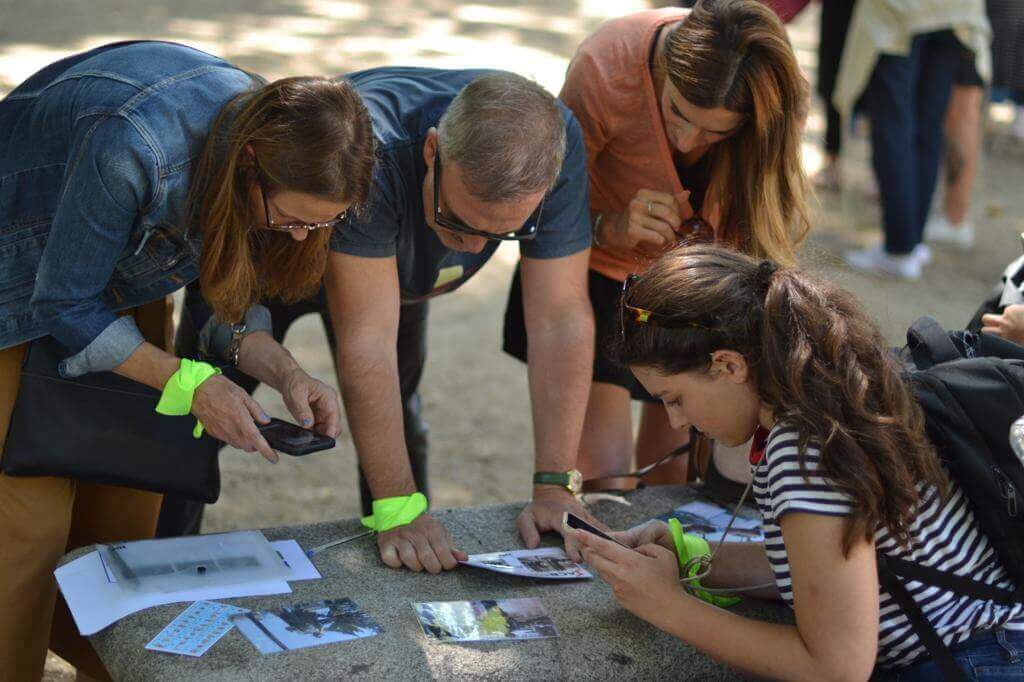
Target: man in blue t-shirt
[(467, 159)]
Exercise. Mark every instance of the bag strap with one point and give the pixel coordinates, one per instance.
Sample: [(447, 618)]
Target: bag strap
[(936, 648), (930, 344), (952, 582)]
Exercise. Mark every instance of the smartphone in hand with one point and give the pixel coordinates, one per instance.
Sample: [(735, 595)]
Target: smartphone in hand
[(293, 439), (570, 520)]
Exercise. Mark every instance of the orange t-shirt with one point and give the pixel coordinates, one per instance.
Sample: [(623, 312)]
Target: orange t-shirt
[(611, 92)]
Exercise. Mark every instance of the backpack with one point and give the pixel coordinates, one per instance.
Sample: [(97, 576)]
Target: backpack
[(971, 389)]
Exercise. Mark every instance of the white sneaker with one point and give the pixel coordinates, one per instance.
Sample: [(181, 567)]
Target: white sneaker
[(940, 230), (876, 260), (923, 253)]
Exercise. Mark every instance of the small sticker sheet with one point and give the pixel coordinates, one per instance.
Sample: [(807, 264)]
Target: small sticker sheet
[(196, 629)]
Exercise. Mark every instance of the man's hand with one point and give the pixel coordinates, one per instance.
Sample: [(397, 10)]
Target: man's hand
[(424, 544), (313, 403), (1009, 325), (545, 513)]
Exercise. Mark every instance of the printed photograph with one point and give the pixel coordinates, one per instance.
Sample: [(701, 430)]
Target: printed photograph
[(485, 620), (549, 563), (709, 520), (306, 625)]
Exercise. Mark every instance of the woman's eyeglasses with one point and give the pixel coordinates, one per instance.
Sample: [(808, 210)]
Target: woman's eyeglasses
[(290, 227), (631, 316), (527, 231)]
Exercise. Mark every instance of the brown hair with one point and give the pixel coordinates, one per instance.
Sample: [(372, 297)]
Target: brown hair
[(734, 54), (818, 362), (311, 135)]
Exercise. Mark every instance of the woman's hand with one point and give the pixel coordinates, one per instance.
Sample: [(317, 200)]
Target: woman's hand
[(649, 224), (230, 414), (313, 403), (642, 579), (654, 532)]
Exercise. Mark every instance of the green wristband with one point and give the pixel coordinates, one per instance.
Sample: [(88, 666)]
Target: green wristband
[(689, 547), (392, 512), (181, 387)]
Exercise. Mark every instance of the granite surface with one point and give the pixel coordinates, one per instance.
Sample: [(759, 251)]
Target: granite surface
[(599, 640)]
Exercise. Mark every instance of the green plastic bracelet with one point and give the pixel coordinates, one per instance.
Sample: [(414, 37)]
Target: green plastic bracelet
[(688, 547), (392, 512), (181, 388)]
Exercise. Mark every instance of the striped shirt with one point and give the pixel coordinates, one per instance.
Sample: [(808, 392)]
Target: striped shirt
[(944, 535)]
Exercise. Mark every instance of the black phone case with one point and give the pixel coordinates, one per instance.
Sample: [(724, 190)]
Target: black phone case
[(322, 442), (576, 522)]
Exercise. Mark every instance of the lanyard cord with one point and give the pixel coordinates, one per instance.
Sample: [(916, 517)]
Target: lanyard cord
[(706, 561)]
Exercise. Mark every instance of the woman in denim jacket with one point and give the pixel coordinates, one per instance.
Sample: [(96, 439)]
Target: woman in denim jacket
[(127, 172)]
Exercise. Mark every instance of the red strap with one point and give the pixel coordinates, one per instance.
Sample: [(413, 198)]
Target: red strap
[(758, 444)]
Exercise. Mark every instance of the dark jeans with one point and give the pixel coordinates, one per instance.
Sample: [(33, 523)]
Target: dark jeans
[(184, 517), (907, 99), (988, 656)]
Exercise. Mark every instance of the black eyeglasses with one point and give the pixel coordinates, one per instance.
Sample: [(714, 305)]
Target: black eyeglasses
[(289, 227), (527, 231), (631, 316)]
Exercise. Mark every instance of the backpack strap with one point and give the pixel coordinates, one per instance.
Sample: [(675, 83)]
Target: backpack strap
[(936, 648), (952, 582), (929, 343)]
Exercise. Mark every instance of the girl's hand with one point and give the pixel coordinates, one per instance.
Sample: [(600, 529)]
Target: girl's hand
[(654, 532), (1009, 325), (642, 580)]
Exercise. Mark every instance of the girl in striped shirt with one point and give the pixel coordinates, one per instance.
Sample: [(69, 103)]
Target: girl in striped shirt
[(733, 347)]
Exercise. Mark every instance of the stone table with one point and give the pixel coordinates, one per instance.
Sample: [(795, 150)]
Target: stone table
[(599, 640)]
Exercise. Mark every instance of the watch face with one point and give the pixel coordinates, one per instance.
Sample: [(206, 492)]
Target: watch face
[(575, 481)]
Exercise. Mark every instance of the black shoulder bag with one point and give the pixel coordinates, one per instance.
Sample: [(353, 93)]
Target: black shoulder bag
[(102, 428)]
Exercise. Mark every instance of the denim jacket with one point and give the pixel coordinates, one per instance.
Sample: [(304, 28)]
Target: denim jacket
[(97, 156)]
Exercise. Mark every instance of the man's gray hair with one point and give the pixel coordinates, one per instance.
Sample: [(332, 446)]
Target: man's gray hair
[(507, 135)]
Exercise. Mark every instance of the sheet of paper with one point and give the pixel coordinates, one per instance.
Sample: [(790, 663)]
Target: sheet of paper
[(95, 602), (549, 563), (709, 520), (196, 629), (294, 557)]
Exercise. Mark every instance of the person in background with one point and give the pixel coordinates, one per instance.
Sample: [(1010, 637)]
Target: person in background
[(1008, 58), (842, 468), (834, 23), (950, 222), (692, 122), (906, 55), (129, 171)]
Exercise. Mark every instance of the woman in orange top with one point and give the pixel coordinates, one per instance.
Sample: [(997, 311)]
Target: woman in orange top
[(692, 120)]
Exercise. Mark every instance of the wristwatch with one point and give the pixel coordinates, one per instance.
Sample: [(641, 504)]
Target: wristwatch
[(571, 480)]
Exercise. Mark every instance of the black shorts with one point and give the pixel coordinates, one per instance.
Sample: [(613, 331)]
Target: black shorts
[(604, 297), (966, 71)]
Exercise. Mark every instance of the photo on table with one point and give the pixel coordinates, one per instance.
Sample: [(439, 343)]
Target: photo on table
[(485, 620), (709, 520), (306, 625), (548, 563)]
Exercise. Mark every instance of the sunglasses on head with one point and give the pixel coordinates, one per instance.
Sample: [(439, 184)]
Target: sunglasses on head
[(527, 231), (631, 316), (289, 227)]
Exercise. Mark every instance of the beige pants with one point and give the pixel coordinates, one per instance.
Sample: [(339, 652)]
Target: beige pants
[(41, 519)]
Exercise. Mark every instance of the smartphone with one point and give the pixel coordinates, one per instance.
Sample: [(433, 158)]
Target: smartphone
[(292, 439), (570, 520)]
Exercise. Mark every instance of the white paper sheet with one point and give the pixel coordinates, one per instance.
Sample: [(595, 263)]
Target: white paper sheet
[(96, 601), (550, 563)]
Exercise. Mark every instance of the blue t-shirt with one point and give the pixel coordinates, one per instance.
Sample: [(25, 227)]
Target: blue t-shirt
[(404, 103)]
